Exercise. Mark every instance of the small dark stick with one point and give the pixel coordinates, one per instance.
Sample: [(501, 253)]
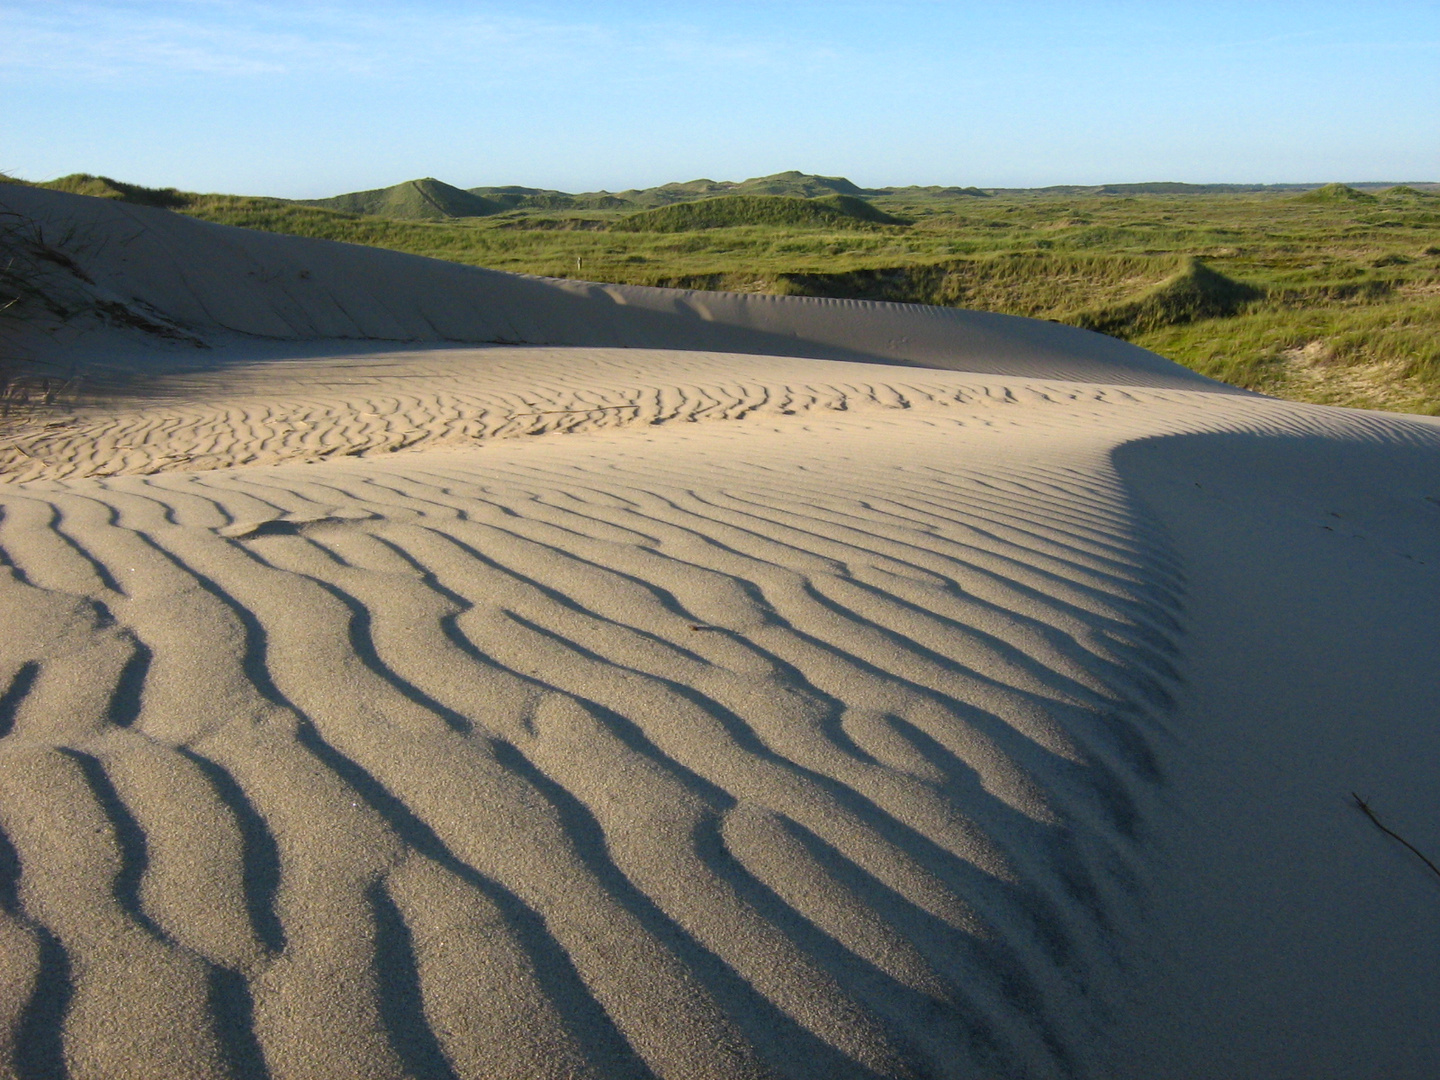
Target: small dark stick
[(578, 412), (1364, 808)]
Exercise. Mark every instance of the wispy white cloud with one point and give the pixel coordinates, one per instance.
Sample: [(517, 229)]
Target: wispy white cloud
[(104, 40), (1323, 40), (249, 38)]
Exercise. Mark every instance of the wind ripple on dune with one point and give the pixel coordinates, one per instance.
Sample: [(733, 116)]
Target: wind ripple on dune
[(316, 408), (310, 409), (673, 762)]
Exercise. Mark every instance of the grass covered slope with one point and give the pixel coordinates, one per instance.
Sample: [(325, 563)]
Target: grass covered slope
[(1193, 292), (103, 187), (1126, 296)]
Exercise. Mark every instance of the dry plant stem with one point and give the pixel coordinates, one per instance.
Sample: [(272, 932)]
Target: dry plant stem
[(1364, 808), (577, 412)]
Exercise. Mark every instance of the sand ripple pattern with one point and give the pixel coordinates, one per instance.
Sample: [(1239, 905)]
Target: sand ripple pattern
[(661, 760), (311, 409)]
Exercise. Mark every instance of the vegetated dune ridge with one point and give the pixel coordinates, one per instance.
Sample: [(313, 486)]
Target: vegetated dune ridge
[(875, 728)]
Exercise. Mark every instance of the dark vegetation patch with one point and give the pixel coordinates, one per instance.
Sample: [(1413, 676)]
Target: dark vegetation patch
[(1134, 295), (1195, 291), (732, 211)]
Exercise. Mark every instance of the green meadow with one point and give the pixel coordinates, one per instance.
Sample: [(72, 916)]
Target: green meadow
[(1329, 295)]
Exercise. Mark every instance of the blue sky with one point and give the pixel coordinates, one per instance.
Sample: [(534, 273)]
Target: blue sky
[(306, 99)]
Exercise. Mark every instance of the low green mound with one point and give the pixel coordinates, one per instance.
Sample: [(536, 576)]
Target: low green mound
[(1335, 193), (729, 211), (103, 187), (1405, 191), (860, 209), (414, 200), (797, 185), (1194, 292)]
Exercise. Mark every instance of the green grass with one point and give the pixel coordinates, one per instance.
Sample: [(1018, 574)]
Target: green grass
[(1330, 295), (1377, 355)]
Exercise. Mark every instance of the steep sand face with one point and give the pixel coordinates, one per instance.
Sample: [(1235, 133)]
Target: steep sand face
[(577, 710)]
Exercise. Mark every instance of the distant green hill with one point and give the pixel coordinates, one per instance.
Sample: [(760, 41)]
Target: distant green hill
[(432, 200), (414, 200), (794, 184), (1335, 193), (514, 197), (934, 191), (1405, 191), (798, 184), (1166, 188), (727, 211)]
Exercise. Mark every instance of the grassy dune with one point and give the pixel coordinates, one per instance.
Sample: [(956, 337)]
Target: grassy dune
[(1328, 295), (419, 200), (732, 211)]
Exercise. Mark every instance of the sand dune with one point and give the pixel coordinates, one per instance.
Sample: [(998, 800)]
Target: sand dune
[(207, 282), (946, 696)]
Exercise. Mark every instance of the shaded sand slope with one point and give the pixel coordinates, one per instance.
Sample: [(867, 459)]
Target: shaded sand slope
[(205, 280), (586, 711), (1308, 941)]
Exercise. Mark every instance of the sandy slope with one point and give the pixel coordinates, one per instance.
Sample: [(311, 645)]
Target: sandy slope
[(943, 697), (206, 281)]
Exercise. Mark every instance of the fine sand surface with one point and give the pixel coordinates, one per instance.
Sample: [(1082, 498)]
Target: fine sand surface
[(412, 670)]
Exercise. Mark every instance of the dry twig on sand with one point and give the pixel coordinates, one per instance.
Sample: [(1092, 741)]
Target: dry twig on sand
[(1364, 808), (575, 412)]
